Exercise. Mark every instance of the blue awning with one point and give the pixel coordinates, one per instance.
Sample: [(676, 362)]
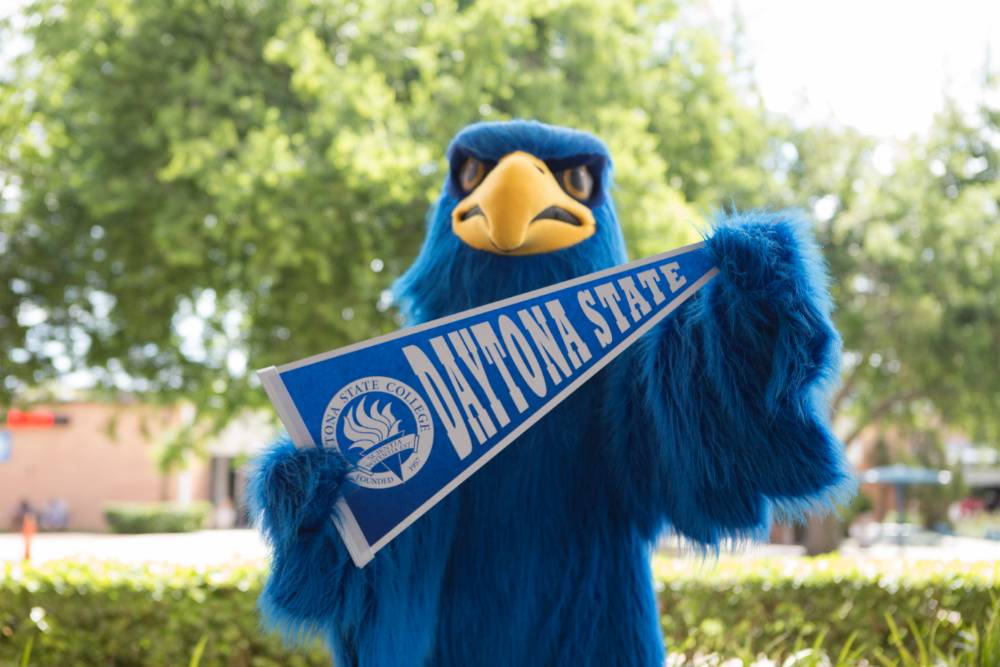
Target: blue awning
[(903, 474)]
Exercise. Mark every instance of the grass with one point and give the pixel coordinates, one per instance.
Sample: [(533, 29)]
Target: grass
[(980, 648)]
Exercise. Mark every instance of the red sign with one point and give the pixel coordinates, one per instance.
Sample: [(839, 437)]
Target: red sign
[(34, 419)]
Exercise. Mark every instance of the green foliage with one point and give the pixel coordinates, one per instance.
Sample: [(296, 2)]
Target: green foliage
[(775, 607), (199, 650), (859, 504), (933, 500), (103, 614), (156, 517), (210, 187), (76, 614), (26, 655), (910, 231), (981, 525), (985, 642), (192, 190), (980, 646)]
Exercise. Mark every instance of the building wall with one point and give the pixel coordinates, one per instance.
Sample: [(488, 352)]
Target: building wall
[(105, 454)]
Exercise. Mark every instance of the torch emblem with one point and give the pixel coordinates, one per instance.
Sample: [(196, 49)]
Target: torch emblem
[(381, 426)]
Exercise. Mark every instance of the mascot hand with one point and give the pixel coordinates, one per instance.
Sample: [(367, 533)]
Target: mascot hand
[(763, 254), (292, 492), (751, 435), (770, 306)]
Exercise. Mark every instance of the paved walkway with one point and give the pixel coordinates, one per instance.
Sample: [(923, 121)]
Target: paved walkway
[(213, 547), (206, 547), (965, 549)]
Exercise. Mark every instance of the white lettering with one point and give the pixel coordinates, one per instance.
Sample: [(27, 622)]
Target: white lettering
[(637, 305), (670, 271), (575, 347), (479, 419), (540, 333), (441, 399), (648, 279), (495, 354), (609, 298), (603, 331), (522, 355), (469, 354)]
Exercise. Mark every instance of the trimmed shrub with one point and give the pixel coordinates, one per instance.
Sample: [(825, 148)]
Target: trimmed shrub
[(101, 614), (150, 616), (156, 517), (755, 606)]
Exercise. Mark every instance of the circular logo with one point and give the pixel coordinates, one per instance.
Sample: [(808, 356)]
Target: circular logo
[(382, 427)]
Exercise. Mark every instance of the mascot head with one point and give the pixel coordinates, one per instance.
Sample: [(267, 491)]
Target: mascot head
[(523, 205)]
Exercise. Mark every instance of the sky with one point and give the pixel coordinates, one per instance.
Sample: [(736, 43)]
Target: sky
[(882, 66)]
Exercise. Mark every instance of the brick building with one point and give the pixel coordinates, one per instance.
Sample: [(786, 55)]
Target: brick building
[(108, 453)]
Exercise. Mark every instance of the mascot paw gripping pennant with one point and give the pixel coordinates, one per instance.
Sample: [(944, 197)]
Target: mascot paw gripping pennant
[(485, 486)]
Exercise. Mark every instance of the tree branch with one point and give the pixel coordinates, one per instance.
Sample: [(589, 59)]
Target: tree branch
[(845, 389), (879, 410)]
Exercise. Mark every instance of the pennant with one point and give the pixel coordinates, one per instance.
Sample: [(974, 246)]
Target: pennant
[(418, 411)]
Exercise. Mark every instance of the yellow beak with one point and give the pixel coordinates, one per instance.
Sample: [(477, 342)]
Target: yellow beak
[(519, 209)]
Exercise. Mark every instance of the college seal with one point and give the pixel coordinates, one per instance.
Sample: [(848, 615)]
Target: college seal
[(382, 427)]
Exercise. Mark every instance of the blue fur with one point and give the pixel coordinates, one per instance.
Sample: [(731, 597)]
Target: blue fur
[(491, 141), (708, 425)]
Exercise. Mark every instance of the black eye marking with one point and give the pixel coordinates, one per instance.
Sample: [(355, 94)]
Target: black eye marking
[(472, 212), (577, 182), (560, 214), (471, 174)]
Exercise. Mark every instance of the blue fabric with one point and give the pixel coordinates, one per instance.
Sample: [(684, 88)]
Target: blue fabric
[(710, 424)]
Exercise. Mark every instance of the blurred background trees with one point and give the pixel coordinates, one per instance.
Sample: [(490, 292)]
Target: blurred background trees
[(911, 240), (195, 190)]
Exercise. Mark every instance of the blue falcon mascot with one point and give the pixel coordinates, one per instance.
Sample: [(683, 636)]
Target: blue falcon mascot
[(712, 423)]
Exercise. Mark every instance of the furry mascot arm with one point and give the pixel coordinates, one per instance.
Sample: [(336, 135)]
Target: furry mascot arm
[(728, 398), (315, 589), (291, 494)]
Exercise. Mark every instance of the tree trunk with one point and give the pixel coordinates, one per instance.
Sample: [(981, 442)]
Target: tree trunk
[(823, 534)]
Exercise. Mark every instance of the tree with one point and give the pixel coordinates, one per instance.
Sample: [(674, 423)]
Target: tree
[(194, 189), (912, 249)]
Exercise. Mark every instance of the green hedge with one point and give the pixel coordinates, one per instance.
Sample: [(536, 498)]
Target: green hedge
[(757, 606), (156, 517), (99, 614), (96, 614)]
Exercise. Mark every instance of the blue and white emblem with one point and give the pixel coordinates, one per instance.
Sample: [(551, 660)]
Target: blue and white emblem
[(382, 427)]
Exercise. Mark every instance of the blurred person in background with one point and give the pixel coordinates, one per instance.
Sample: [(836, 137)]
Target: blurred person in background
[(55, 515), (25, 511)]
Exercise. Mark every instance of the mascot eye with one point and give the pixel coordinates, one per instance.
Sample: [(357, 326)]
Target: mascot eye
[(578, 182), (471, 173)]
